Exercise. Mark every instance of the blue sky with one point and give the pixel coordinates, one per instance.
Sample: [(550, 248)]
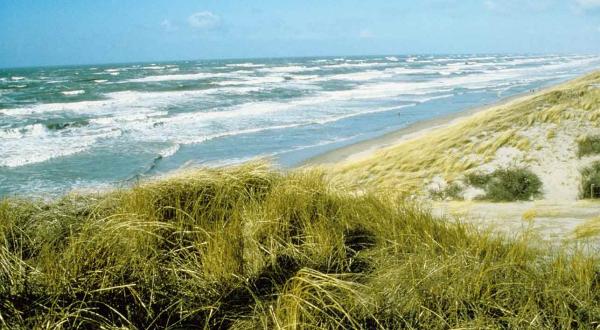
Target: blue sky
[(43, 32)]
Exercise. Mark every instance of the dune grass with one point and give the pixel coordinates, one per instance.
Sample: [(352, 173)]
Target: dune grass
[(590, 181), (251, 248), (588, 229), (457, 148), (588, 145)]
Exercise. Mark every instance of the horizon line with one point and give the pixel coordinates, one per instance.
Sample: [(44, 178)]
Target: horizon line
[(285, 57)]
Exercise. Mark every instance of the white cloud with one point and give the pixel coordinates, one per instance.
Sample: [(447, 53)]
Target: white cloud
[(588, 4), (204, 20)]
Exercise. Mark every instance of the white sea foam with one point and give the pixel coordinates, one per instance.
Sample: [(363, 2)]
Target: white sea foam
[(148, 116), (392, 58), (38, 145), (10, 133), (142, 116), (176, 77), (21, 132), (251, 81), (288, 69), (17, 78), (356, 76), (355, 65), (73, 93), (245, 65), (335, 118), (127, 102), (170, 151), (99, 81), (122, 102), (318, 144)]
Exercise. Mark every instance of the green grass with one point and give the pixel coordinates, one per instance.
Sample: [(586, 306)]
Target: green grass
[(590, 181), (589, 145), (504, 185), (250, 248)]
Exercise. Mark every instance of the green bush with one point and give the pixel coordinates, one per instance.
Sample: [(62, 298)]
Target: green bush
[(590, 181), (504, 185), (478, 180), (452, 191), (589, 145)]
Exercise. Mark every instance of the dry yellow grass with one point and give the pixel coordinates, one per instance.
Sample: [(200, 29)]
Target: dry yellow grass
[(529, 215), (452, 150), (589, 229), (248, 247)]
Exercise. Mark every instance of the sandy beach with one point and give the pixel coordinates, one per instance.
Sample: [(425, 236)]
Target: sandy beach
[(363, 149)]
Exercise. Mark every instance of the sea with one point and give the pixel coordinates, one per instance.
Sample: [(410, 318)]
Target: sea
[(91, 127)]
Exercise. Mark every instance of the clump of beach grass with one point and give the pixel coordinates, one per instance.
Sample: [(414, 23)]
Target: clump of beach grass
[(588, 145), (590, 181), (507, 184), (248, 247), (588, 229)]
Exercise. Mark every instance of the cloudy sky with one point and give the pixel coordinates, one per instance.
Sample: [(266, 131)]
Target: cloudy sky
[(41, 32)]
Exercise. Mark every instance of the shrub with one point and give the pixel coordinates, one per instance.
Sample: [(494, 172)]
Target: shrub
[(451, 191), (590, 181), (589, 145), (503, 185), (476, 179)]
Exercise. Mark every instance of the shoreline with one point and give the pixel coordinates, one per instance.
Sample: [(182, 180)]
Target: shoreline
[(363, 149)]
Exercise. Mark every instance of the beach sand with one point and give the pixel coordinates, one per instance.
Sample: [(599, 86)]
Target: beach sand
[(364, 149)]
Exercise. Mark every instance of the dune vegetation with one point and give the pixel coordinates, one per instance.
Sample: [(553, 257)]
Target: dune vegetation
[(505, 185), (590, 181), (248, 247), (588, 145), (454, 150)]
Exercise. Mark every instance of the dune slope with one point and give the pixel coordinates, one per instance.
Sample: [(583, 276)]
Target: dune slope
[(538, 131)]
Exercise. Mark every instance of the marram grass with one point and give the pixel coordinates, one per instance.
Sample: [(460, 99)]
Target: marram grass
[(250, 248), (453, 150)]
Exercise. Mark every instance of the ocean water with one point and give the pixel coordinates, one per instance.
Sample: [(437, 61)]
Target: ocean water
[(80, 127)]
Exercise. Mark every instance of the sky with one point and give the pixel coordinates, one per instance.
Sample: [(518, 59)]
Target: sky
[(57, 32)]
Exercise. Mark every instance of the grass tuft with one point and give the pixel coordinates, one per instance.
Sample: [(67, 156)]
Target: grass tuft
[(589, 145), (590, 181)]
